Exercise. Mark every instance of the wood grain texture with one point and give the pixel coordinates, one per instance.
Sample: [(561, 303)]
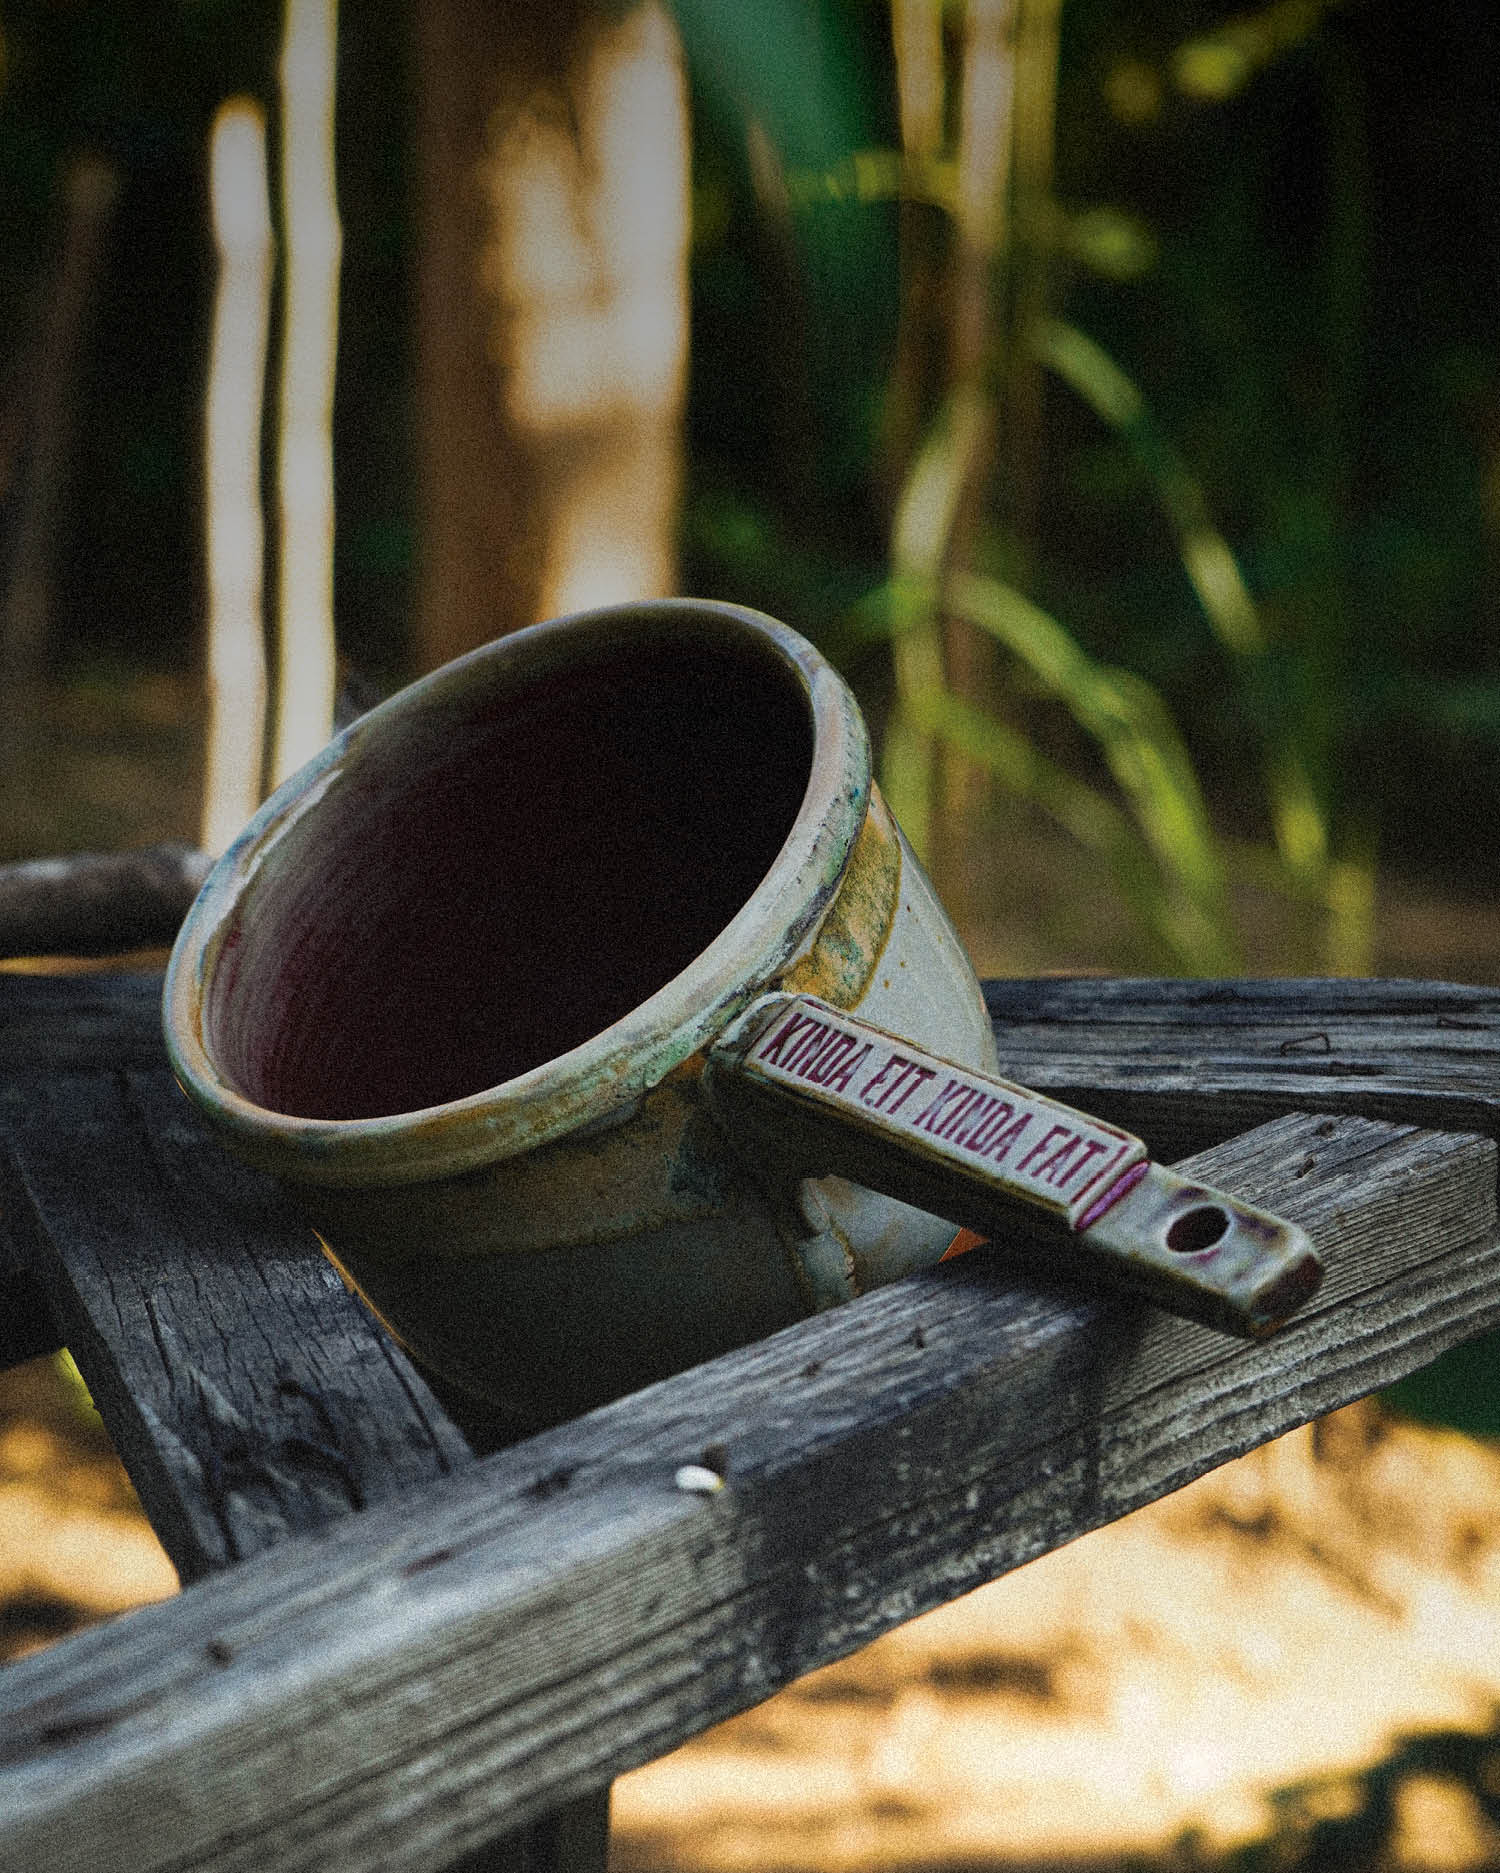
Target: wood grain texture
[(248, 1393), (27, 1329), (80, 1023), (392, 1690), (1190, 1052), (1186, 1064)]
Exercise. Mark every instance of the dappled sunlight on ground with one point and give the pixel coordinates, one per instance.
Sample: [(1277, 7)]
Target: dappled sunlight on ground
[(1143, 1692)]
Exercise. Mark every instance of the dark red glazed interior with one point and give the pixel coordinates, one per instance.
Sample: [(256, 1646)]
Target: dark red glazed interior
[(499, 876)]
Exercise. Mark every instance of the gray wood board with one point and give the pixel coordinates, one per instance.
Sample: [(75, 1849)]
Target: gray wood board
[(90, 1022), (250, 1395), (247, 1391), (1179, 1044), (392, 1690), (84, 1023), (1187, 1063), (27, 1329)]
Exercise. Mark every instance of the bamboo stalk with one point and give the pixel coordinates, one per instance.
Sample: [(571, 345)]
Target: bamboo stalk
[(305, 660), (986, 109), (921, 94), (986, 131), (234, 749), (1035, 129)]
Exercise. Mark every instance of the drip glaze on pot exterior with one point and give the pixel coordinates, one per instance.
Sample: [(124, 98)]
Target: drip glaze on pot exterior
[(454, 985)]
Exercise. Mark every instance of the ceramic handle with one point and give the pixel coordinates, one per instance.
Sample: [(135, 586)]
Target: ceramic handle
[(832, 1095)]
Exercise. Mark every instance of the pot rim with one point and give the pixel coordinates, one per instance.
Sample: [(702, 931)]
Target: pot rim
[(600, 1081)]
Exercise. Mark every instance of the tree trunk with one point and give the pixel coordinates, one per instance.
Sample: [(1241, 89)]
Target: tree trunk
[(26, 604), (552, 311)]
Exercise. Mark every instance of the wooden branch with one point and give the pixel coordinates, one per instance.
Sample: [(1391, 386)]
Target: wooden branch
[(393, 1690), (1187, 1063), (98, 903)]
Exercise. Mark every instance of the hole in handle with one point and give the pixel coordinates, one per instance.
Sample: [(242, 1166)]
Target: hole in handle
[(1197, 1229)]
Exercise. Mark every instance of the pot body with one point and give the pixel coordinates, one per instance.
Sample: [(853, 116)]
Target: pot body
[(611, 1257), (583, 1225)]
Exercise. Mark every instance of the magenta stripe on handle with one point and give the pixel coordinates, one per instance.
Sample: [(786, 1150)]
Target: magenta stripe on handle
[(1122, 1186)]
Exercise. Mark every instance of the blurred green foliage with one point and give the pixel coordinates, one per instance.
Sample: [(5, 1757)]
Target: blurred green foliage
[(1255, 570), (1461, 1389), (1274, 231), (1275, 228)]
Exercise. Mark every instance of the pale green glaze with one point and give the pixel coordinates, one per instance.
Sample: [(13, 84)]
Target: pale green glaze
[(585, 1227)]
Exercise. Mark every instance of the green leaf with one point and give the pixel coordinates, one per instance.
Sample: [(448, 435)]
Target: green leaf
[(1135, 734), (1299, 817)]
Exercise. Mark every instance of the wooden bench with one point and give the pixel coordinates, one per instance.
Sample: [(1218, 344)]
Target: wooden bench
[(398, 1650)]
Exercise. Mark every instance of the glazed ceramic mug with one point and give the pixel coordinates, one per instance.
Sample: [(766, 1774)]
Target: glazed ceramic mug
[(594, 1008)]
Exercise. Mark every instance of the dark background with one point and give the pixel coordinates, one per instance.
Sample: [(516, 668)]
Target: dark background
[(1316, 334)]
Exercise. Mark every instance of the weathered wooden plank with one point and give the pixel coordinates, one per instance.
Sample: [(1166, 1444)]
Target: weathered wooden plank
[(388, 1692), (1084, 1038), (1349, 1159), (1185, 1064), (86, 1023), (249, 1394), (26, 1325), (1427, 1052)]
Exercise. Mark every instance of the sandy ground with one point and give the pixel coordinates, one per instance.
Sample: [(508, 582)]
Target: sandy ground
[(1230, 1664)]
